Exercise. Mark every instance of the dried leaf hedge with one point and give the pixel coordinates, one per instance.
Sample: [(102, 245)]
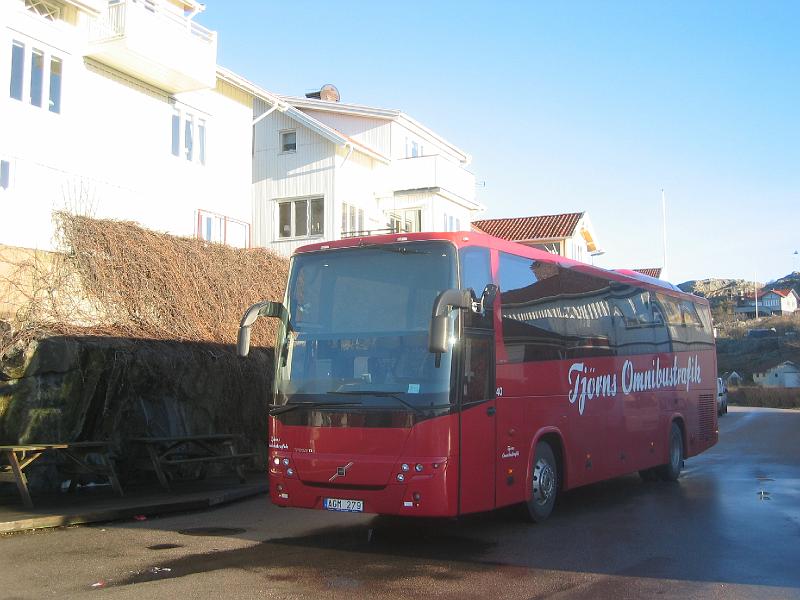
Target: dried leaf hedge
[(116, 278)]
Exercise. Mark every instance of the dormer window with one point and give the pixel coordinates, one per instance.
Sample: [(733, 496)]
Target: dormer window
[(288, 141)]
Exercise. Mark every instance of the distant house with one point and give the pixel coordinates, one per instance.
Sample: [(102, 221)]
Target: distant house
[(784, 375), (770, 302), (570, 234), (732, 379), (650, 272)]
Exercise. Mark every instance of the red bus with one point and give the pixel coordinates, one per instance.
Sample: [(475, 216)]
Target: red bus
[(440, 374)]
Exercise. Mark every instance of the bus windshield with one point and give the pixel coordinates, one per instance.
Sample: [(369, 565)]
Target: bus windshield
[(357, 330)]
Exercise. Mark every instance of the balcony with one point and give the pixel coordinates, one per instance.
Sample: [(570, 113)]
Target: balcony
[(425, 172), (148, 40)]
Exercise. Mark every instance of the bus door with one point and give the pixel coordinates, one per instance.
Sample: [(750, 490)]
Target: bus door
[(477, 422)]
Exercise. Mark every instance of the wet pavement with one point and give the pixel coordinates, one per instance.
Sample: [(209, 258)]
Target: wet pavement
[(729, 528)]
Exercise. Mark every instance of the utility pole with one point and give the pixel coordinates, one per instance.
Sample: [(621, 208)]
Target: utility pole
[(664, 234), (755, 292)]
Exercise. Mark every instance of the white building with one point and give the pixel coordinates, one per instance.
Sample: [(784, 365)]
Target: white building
[(784, 375), (770, 302), (118, 109), (569, 234), (323, 169)]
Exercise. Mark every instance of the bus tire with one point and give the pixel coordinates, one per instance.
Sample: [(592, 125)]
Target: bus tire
[(672, 470), (544, 484)]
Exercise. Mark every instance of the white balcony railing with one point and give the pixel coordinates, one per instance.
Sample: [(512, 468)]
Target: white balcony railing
[(152, 42), (433, 172), (112, 21)]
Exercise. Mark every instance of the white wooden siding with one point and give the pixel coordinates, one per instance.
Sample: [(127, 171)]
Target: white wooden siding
[(430, 146), (108, 153), (307, 172), (373, 133)]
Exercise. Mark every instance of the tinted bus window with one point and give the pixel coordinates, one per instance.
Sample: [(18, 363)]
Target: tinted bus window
[(529, 307), (586, 314), (476, 273), (550, 312), (639, 327), (687, 329)]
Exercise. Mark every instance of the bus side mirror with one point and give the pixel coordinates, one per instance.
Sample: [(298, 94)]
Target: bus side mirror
[(488, 297), (438, 334), (262, 309)]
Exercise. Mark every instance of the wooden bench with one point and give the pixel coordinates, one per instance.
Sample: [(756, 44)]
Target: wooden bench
[(18, 457), (168, 452)]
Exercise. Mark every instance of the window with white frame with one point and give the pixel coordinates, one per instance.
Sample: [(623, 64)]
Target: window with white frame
[(17, 70), (5, 174), (214, 227), (406, 221), (352, 219), (176, 132), (56, 67), (188, 136), (301, 218), (37, 77), (452, 223), (201, 141), (44, 76), (288, 141)]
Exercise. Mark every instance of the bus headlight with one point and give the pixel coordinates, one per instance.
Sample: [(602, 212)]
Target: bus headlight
[(401, 477), (404, 467)]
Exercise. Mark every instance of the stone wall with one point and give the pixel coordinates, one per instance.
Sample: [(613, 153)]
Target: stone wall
[(57, 389)]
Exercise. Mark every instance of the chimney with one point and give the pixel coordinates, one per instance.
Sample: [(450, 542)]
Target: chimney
[(327, 93)]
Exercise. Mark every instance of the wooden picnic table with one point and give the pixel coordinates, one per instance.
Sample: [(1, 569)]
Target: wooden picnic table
[(169, 452), (18, 457)]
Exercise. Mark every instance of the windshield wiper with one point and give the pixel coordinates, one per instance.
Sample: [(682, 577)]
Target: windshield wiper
[(279, 409), (396, 395)]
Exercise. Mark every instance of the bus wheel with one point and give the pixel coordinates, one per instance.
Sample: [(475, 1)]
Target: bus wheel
[(544, 484), (672, 470)]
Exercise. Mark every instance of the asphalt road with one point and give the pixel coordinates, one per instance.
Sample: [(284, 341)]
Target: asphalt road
[(730, 528)]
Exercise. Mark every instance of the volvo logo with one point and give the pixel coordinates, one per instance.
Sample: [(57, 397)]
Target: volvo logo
[(341, 471)]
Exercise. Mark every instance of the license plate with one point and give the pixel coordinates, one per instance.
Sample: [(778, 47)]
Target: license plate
[(341, 505)]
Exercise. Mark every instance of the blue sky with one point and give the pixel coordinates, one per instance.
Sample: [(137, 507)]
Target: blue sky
[(576, 106)]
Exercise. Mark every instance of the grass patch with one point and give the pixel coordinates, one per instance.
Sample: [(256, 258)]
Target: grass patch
[(766, 397)]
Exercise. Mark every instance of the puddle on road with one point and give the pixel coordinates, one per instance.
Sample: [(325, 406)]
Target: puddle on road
[(212, 531), (164, 546)]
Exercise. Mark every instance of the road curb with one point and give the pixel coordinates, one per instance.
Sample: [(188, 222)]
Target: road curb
[(196, 502)]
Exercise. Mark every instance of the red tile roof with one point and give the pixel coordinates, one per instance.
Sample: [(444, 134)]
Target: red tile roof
[(782, 293), (653, 272), (520, 229), (761, 293)]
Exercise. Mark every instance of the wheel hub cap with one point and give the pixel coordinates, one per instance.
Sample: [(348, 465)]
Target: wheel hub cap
[(544, 482)]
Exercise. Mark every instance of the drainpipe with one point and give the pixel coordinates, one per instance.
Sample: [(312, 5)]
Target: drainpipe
[(349, 147), (264, 115)]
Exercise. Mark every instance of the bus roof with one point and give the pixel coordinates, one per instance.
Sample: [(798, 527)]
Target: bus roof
[(463, 239)]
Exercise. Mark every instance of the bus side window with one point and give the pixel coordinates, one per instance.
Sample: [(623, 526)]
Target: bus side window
[(478, 368), (529, 295), (476, 273)]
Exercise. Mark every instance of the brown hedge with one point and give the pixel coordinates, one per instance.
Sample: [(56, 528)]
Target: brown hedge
[(116, 278)]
